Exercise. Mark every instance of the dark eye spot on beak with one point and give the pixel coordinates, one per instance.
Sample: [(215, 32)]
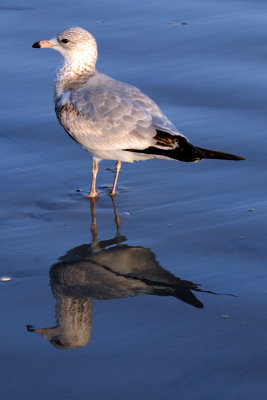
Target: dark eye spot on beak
[(36, 45)]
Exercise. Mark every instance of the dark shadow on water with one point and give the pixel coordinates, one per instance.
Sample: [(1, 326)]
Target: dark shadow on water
[(103, 270)]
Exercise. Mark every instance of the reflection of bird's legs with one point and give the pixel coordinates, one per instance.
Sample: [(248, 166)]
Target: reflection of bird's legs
[(93, 192), (117, 217), (118, 167), (93, 226)]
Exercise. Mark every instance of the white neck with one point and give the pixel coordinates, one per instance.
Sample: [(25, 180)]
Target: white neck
[(74, 71)]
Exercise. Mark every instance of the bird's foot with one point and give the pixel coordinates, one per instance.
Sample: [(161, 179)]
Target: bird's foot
[(92, 195)]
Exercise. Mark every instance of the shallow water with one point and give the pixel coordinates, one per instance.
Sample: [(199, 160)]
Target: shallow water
[(194, 231)]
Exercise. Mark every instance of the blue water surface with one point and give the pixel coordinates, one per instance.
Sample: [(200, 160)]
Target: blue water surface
[(178, 310)]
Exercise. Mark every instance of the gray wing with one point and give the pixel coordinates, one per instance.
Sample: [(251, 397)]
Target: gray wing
[(105, 114)]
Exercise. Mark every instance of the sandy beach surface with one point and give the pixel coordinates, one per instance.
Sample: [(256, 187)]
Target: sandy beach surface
[(165, 296)]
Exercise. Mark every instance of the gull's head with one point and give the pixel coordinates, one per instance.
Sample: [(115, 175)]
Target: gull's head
[(75, 44)]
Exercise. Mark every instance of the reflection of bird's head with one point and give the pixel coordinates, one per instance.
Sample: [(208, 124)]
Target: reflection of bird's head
[(74, 317)]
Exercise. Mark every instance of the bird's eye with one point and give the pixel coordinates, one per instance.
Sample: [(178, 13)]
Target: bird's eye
[(64, 41)]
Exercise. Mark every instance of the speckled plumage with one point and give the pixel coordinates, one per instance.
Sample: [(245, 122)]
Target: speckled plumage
[(108, 118)]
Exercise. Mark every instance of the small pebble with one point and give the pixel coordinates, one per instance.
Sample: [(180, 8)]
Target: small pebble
[(5, 278), (30, 328), (242, 237), (78, 190), (250, 209), (225, 316), (177, 23), (126, 213)]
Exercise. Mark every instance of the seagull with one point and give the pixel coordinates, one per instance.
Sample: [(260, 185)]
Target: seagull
[(108, 118)]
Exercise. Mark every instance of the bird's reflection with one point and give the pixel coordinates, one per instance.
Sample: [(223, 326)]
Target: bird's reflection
[(103, 270)]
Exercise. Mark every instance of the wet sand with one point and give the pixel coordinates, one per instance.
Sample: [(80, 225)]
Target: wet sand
[(197, 227)]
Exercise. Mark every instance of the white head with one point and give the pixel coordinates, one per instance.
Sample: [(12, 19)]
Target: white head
[(76, 45)]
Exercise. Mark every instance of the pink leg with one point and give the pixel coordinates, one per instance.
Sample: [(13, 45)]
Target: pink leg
[(118, 167), (93, 192)]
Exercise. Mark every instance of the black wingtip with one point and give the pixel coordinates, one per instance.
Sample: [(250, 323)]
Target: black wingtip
[(36, 45)]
